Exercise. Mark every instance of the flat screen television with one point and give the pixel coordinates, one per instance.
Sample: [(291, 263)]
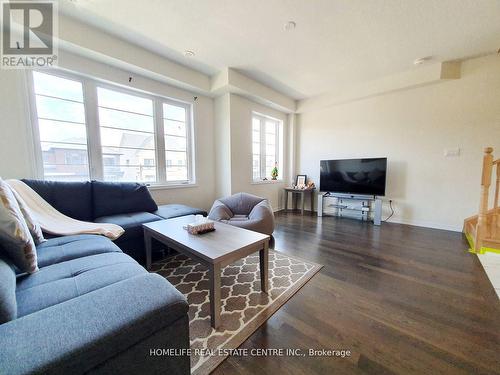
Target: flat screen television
[(353, 176)]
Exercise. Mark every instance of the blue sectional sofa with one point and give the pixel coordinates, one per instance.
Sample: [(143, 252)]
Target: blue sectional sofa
[(89, 309), (126, 204)]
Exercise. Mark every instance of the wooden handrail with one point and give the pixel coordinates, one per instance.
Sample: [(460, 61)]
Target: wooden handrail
[(497, 187), (484, 229), (495, 219), (482, 220), (486, 179)]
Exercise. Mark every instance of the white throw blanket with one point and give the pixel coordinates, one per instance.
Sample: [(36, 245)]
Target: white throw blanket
[(53, 222)]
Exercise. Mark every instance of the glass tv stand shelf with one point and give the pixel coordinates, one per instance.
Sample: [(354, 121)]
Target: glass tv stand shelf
[(361, 207)]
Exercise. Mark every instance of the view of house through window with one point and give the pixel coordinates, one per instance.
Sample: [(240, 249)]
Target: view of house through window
[(127, 133), (267, 147), (176, 142), (62, 129), (130, 142)]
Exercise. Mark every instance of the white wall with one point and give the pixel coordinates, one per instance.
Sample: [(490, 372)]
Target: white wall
[(233, 153), (241, 151), (16, 153), (412, 128), (222, 109)]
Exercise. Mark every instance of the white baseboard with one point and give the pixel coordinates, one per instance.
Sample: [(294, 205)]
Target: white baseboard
[(427, 224), (415, 223)]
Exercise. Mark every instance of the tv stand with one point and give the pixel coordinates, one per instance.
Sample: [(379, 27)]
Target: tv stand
[(361, 207)]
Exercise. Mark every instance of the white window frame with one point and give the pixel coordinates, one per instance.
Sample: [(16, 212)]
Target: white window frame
[(189, 138), (279, 152), (94, 149)]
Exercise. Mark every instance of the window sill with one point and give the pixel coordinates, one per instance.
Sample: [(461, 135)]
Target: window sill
[(267, 182), (172, 186)]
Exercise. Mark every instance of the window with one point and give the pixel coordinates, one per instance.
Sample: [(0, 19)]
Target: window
[(134, 137), (176, 142), (267, 147), (127, 132), (62, 129)]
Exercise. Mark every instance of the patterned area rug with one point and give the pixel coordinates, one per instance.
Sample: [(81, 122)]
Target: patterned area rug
[(244, 306)]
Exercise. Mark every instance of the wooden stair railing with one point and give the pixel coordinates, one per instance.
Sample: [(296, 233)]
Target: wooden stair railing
[(496, 218), (483, 230)]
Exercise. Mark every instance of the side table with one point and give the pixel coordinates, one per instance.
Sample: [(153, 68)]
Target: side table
[(302, 193)]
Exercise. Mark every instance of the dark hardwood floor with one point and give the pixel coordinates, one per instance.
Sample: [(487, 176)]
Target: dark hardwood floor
[(403, 299)]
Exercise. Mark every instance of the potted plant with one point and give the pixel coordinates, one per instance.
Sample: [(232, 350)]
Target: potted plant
[(274, 172)]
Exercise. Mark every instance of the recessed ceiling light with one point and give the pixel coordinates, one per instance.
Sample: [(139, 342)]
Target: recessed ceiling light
[(421, 60), (189, 53), (290, 25)]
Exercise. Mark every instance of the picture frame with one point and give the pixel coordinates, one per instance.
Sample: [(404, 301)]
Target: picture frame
[(301, 180)]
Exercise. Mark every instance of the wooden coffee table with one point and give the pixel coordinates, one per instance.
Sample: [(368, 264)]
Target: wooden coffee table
[(215, 250)]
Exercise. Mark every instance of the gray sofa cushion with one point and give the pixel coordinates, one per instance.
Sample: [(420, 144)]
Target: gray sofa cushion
[(61, 249), (132, 223), (73, 199), (169, 211), (8, 304), (111, 198), (60, 282)]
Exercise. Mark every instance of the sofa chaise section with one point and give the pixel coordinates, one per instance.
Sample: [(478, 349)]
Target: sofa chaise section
[(170, 211), (83, 334), (90, 311)]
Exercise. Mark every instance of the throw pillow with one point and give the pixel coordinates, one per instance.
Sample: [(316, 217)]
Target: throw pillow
[(15, 236), (33, 226), (8, 303)]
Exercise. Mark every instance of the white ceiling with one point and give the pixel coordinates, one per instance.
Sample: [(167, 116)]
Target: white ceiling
[(335, 43)]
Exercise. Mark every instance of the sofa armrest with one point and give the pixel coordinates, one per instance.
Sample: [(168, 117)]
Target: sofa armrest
[(77, 335)]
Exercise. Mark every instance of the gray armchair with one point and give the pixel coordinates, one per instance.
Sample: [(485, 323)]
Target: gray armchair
[(245, 211)]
